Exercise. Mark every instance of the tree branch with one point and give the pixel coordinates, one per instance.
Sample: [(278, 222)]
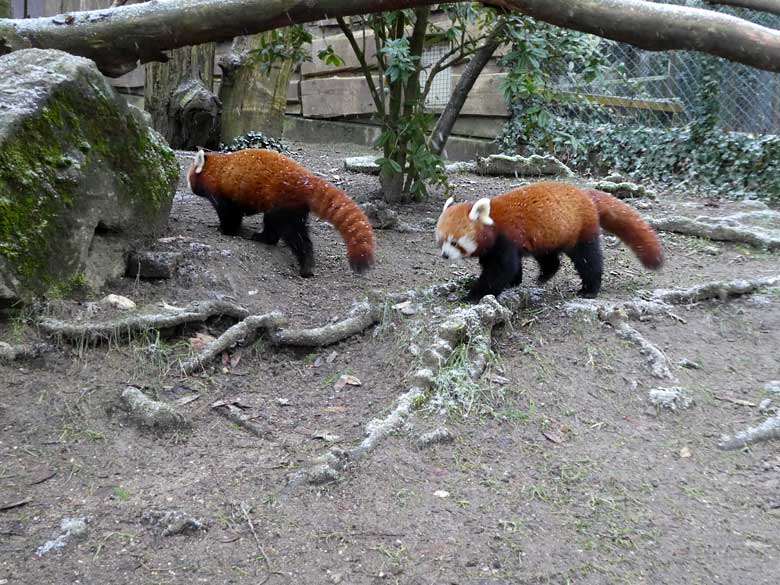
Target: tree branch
[(446, 121), (771, 6), (379, 103), (661, 27), (117, 38)]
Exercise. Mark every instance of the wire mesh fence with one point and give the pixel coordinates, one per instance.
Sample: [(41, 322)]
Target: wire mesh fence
[(661, 88)]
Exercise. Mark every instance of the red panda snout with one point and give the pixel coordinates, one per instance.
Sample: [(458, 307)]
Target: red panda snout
[(457, 248)]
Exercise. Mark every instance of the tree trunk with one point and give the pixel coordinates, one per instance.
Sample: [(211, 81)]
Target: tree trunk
[(172, 118), (5, 8), (451, 111), (771, 6), (115, 39), (251, 99)]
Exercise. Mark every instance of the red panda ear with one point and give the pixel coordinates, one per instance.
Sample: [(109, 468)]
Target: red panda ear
[(480, 212), (200, 160), (449, 202)]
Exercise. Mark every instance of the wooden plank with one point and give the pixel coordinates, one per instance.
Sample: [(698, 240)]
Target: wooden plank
[(627, 102)]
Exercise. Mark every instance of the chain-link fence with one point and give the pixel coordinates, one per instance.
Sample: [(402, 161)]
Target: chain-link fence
[(661, 88)]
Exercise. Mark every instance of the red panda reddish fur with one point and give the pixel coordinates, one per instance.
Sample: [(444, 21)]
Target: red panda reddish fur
[(542, 220), (263, 181)]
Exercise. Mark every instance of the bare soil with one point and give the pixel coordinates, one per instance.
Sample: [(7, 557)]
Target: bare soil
[(563, 474)]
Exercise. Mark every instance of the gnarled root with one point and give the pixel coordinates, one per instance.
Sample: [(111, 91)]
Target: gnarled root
[(127, 327)]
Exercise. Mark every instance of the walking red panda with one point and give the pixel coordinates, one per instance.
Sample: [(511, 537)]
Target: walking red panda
[(254, 181), (541, 220)]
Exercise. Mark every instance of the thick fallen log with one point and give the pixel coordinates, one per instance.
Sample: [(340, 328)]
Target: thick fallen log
[(728, 228)]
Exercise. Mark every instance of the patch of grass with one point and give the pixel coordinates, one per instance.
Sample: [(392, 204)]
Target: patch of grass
[(537, 492), (575, 473), (72, 433), (121, 493)]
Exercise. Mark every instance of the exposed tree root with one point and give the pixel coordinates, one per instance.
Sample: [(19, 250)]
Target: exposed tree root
[(9, 353), (127, 327), (661, 303), (364, 316), (149, 413), (242, 332), (470, 327), (769, 429), (719, 289), (728, 228), (659, 363), (234, 414)]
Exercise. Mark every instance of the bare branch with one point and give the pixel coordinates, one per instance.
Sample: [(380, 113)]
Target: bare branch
[(361, 57), (117, 38), (661, 27), (769, 429), (236, 415), (771, 6), (446, 121)]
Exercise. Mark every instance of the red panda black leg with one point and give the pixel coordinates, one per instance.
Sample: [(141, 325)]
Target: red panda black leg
[(230, 216), (270, 233), (589, 264), (548, 265), (294, 232), (501, 264)]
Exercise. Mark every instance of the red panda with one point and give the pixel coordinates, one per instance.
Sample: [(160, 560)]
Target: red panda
[(254, 181), (541, 220)]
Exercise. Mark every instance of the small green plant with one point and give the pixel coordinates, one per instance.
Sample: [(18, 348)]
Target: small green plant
[(121, 494)]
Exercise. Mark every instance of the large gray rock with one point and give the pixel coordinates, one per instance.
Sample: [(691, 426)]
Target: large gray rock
[(82, 175), (520, 166)]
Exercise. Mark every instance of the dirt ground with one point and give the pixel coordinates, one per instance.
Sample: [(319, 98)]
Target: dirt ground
[(561, 471)]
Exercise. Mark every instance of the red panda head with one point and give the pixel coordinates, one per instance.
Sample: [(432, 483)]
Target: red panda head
[(460, 231), (196, 167)]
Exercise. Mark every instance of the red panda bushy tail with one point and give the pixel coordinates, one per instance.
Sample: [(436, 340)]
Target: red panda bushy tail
[(626, 223), (335, 207)]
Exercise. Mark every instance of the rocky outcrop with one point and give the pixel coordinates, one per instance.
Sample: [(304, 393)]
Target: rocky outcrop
[(82, 175)]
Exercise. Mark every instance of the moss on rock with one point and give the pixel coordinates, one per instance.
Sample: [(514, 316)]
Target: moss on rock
[(75, 165)]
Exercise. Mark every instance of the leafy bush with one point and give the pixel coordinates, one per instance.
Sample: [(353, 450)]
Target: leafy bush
[(254, 140), (727, 163)]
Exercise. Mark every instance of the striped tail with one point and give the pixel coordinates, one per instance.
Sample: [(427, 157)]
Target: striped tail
[(335, 207), (626, 223)]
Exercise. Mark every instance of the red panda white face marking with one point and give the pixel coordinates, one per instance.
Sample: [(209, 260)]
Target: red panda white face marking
[(457, 249), (455, 246), (196, 166)]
